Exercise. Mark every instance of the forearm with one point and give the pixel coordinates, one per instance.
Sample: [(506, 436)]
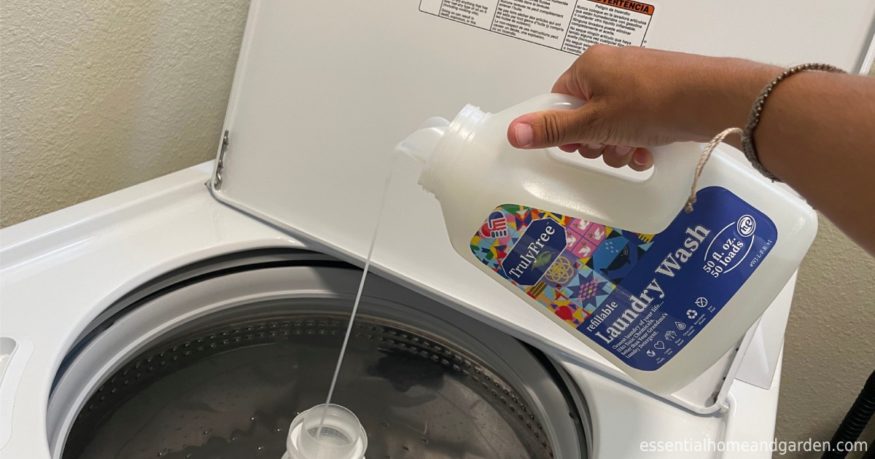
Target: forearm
[(817, 134)]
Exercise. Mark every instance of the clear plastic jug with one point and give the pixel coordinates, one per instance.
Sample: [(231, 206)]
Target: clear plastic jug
[(615, 260)]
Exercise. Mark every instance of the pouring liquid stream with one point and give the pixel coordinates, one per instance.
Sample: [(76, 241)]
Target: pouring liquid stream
[(358, 295)]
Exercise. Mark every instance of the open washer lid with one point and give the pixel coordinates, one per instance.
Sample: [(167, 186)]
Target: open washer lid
[(324, 90)]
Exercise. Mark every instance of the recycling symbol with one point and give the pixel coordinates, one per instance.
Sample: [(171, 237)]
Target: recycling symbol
[(691, 314)]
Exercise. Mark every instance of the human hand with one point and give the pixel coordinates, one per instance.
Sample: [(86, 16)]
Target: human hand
[(637, 97)]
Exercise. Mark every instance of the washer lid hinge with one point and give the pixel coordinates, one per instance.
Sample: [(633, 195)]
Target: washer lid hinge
[(220, 162)]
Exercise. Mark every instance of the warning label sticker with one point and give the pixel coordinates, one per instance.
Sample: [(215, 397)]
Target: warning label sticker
[(565, 25)]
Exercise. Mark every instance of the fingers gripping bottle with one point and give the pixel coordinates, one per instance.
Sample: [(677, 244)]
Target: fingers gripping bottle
[(660, 292)]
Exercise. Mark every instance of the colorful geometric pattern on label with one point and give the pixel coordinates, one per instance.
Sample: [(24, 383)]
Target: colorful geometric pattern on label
[(641, 296), (572, 278)]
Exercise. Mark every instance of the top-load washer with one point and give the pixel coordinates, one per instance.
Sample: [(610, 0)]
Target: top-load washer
[(194, 315)]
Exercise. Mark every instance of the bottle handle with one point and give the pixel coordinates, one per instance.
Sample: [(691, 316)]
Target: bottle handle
[(587, 192)]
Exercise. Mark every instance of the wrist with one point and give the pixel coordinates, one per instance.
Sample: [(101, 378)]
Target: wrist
[(723, 95)]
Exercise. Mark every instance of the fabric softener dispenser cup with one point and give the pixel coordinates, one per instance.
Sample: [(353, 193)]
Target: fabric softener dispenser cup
[(618, 262)]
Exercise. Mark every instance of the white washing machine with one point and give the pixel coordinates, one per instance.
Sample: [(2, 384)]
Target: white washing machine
[(194, 315)]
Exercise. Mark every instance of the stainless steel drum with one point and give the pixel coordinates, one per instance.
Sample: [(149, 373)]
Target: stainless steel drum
[(216, 366)]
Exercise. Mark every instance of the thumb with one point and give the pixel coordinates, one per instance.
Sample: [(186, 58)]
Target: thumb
[(550, 128)]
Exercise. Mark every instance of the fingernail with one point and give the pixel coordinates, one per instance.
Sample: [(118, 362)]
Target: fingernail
[(640, 158), (623, 150), (523, 134)]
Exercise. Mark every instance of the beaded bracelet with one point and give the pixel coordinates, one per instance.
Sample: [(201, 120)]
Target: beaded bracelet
[(747, 141), (746, 134)]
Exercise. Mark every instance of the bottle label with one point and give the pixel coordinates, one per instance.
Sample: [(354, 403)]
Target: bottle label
[(643, 297)]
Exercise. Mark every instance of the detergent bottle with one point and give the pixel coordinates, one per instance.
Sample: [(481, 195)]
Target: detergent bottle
[(660, 291)]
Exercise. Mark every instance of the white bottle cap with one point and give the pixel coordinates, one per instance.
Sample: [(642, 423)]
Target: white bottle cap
[(326, 431)]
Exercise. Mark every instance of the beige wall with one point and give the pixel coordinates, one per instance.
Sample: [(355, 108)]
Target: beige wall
[(97, 96), (829, 350)]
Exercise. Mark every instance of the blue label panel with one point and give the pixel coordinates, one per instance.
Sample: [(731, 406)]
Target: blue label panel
[(642, 297)]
